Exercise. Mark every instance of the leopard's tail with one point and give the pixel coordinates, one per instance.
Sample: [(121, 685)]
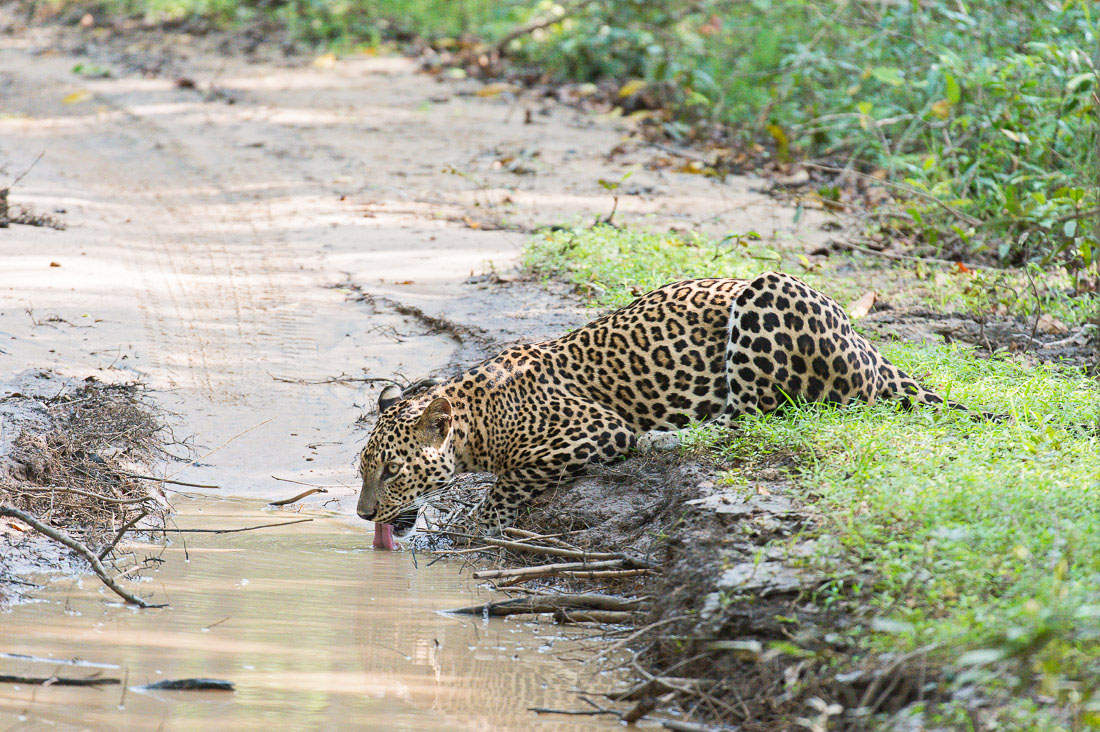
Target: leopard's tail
[(900, 386)]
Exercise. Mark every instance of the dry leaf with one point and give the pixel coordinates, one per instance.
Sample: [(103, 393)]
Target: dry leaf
[(404, 282), (694, 167), (55, 264), (1050, 325), (762, 490), (863, 305), (495, 90), (631, 87), (325, 61), (799, 178), (77, 97), (471, 223), (963, 269)]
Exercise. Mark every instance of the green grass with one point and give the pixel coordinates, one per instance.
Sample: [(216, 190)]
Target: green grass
[(977, 536), (618, 264), (614, 265)]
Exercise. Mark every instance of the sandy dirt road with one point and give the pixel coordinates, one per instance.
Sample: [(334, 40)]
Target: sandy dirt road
[(212, 233)]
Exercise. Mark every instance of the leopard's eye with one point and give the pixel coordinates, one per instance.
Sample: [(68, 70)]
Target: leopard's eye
[(389, 470)]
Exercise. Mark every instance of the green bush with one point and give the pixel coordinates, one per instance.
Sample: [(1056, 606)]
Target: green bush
[(983, 111)]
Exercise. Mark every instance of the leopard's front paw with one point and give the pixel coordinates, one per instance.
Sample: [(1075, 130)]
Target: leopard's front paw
[(657, 441), (492, 518)]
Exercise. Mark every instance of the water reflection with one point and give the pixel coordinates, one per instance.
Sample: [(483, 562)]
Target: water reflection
[(315, 629)]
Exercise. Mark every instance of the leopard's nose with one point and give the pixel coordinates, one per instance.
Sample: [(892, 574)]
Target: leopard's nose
[(366, 515)]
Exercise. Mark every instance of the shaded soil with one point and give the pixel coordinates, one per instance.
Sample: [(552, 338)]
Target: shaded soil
[(1077, 347)]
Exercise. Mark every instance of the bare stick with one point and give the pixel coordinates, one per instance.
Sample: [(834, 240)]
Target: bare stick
[(897, 257), (118, 537), (545, 569), (551, 603), (677, 726), (167, 480), (642, 708), (608, 574), (616, 617), (105, 499), (546, 538), (334, 380), (567, 553), (502, 44), (311, 485), (906, 189), (80, 549), (219, 447), (221, 531), (58, 680), (22, 175), (573, 712), (300, 496)]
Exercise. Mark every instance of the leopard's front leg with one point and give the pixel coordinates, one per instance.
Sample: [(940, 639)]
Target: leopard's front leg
[(560, 458), (506, 500)]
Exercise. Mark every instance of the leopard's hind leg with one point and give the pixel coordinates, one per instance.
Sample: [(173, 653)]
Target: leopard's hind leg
[(786, 340)]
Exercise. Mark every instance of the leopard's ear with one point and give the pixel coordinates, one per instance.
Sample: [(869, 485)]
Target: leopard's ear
[(435, 423), (390, 395)]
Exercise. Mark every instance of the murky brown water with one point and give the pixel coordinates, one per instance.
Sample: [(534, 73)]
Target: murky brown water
[(316, 630)]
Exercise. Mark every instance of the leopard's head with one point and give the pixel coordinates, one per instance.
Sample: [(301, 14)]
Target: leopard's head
[(409, 454)]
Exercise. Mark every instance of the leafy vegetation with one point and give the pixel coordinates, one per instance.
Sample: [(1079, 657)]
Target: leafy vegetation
[(981, 116), (982, 113)]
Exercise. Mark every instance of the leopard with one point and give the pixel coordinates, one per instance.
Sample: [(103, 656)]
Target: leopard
[(700, 351)]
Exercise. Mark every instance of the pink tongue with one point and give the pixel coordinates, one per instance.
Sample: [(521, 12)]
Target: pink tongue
[(383, 537)]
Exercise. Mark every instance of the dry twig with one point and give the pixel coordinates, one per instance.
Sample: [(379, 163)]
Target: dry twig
[(80, 549)]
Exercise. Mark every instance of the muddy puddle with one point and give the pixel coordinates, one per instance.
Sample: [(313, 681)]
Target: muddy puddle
[(315, 629)]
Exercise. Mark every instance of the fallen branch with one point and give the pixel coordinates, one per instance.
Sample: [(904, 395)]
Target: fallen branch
[(77, 491), (897, 257), (677, 726), (342, 379), (608, 574), (208, 453), (525, 536), (80, 549), (613, 617), (654, 687), (545, 569), (118, 536), (222, 531), (642, 708), (168, 480), (550, 604), (300, 496), (311, 485), (573, 712), (58, 680), (554, 551), (190, 685), (906, 189)]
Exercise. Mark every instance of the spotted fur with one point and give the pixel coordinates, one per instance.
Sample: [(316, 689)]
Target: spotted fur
[(693, 351)]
